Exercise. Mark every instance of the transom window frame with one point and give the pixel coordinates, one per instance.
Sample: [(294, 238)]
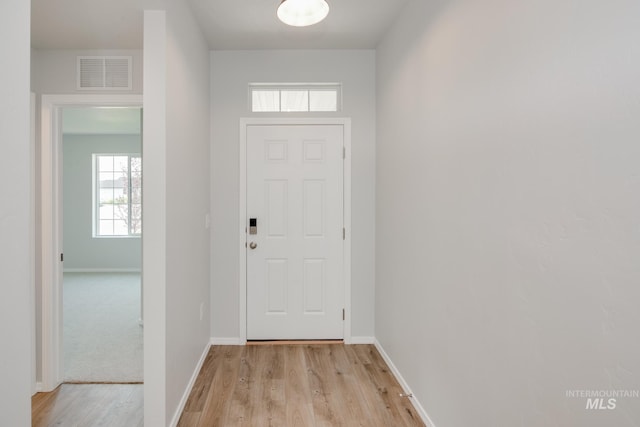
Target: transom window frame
[(279, 88), (96, 196)]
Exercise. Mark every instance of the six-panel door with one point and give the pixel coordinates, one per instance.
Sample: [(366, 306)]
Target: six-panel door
[(295, 286)]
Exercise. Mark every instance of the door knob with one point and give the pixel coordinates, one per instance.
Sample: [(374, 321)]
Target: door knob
[(253, 245)]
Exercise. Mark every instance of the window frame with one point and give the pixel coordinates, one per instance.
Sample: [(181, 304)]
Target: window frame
[(306, 87), (96, 196)]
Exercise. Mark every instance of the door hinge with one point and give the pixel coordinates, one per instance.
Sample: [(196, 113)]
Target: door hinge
[(61, 257), (344, 152), (344, 233), (343, 314)]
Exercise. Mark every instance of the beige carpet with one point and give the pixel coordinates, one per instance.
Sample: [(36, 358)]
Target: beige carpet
[(102, 338)]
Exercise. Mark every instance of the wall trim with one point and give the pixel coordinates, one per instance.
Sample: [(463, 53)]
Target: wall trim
[(405, 386), (102, 270), (187, 392), (32, 245), (363, 340), (227, 341)]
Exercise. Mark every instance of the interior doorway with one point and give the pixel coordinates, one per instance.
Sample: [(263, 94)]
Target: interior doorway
[(102, 244), (52, 222)]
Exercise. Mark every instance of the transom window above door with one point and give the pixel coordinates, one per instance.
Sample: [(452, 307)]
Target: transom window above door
[(294, 98), (117, 195)]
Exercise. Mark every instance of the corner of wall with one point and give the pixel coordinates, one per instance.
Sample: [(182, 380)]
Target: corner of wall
[(405, 386)]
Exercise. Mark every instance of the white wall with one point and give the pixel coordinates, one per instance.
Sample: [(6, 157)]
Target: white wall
[(176, 178), (508, 208), (54, 70), (154, 218), (81, 250), (15, 193), (231, 73)]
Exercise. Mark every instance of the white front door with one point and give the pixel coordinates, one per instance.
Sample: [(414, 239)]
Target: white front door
[(295, 285)]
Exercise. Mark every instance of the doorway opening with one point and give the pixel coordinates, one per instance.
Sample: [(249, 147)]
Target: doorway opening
[(62, 121), (102, 231)]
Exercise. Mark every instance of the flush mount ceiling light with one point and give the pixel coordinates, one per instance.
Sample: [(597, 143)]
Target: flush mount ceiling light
[(301, 13)]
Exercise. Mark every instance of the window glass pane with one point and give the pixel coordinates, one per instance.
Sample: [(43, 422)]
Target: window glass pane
[(106, 196), (105, 163), (120, 228), (136, 172), (121, 164), (136, 195), (121, 212), (294, 97), (105, 228), (136, 166), (120, 180), (323, 100), (118, 197), (106, 212), (295, 100), (265, 100), (105, 180), (136, 219)]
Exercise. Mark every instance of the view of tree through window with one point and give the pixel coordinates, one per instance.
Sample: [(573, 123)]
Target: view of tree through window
[(118, 195)]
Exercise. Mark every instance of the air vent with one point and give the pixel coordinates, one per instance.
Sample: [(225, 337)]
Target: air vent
[(104, 73)]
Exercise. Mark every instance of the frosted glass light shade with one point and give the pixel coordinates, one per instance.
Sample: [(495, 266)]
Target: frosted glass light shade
[(301, 13)]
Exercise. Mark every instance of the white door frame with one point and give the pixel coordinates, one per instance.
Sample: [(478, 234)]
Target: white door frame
[(32, 245), (242, 236), (51, 221)]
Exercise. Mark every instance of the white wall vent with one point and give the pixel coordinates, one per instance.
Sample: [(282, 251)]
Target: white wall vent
[(104, 72)]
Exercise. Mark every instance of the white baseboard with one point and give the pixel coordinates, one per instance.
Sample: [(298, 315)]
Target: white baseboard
[(226, 341), (187, 392), (362, 340), (238, 341), (102, 270), (405, 386), (39, 387)]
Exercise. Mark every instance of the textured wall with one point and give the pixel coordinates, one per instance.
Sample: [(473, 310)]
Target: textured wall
[(508, 209)]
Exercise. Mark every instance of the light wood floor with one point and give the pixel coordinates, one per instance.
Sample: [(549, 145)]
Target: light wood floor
[(327, 385), (297, 385), (89, 405)]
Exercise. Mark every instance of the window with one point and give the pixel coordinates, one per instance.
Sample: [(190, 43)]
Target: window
[(285, 98), (117, 195)]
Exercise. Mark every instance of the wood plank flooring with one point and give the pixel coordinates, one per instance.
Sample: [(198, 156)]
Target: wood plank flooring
[(324, 385), (89, 405), (306, 385)]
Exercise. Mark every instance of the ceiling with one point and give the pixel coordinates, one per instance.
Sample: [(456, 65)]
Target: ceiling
[(227, 24)]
